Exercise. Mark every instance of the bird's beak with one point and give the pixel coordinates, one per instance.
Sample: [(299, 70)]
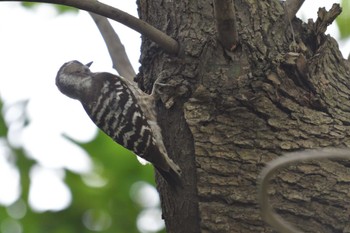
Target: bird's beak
[(89, 64)]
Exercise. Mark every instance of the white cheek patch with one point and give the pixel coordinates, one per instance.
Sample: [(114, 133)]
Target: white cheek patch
[(85, 83), (79, 83)]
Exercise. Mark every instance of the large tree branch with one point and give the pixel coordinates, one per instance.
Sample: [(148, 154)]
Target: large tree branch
[(115, 47), (166, 42), (292, 7)]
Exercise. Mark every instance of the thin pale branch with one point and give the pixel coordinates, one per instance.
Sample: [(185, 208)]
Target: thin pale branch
[(270, 170), (292, 7), (115, 47), (166, 42), (226, 23)]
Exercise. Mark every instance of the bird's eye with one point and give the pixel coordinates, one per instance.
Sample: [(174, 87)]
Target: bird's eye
[(79, 71)]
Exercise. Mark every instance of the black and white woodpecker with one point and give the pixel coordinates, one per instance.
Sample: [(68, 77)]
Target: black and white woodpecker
[(121, 110)]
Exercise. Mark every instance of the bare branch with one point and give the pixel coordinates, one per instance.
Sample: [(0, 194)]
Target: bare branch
[(291, 158), (166, 42), (292, 7), (326, 18), (115, 47), (226, 23)]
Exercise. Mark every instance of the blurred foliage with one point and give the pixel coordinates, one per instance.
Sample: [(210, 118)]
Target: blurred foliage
[(3, 128), (343, 20), (106, 208), (60, 8)]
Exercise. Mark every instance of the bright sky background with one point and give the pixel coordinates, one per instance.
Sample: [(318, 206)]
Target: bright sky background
[(34, 44)]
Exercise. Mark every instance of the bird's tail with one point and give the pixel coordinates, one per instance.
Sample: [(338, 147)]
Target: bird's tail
[(172, 175), (166, 167)]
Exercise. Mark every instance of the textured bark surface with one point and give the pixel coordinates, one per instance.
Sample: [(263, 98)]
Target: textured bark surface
[(233, 112)]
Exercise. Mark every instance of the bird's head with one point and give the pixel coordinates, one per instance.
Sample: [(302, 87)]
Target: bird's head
[(74, 78)]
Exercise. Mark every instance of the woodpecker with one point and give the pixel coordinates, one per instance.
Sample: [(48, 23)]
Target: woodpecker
[(122, 111)]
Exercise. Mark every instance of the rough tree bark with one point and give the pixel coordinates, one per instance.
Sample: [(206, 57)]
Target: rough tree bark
[(229, 113)]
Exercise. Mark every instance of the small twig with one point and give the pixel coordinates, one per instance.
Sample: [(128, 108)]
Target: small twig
[(289, 21), (326, 18), (292, 7), (166, 42), (226, 23), (267, 212), (115, 47)]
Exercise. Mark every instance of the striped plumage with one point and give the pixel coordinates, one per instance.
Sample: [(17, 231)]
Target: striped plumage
[(122, 111)]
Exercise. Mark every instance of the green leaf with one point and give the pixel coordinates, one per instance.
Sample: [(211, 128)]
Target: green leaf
[(343, 20), (29, 4), (59, 8), (65, 9), (3, 126)]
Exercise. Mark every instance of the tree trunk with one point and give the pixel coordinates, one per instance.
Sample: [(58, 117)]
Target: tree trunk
[(225, 114)]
